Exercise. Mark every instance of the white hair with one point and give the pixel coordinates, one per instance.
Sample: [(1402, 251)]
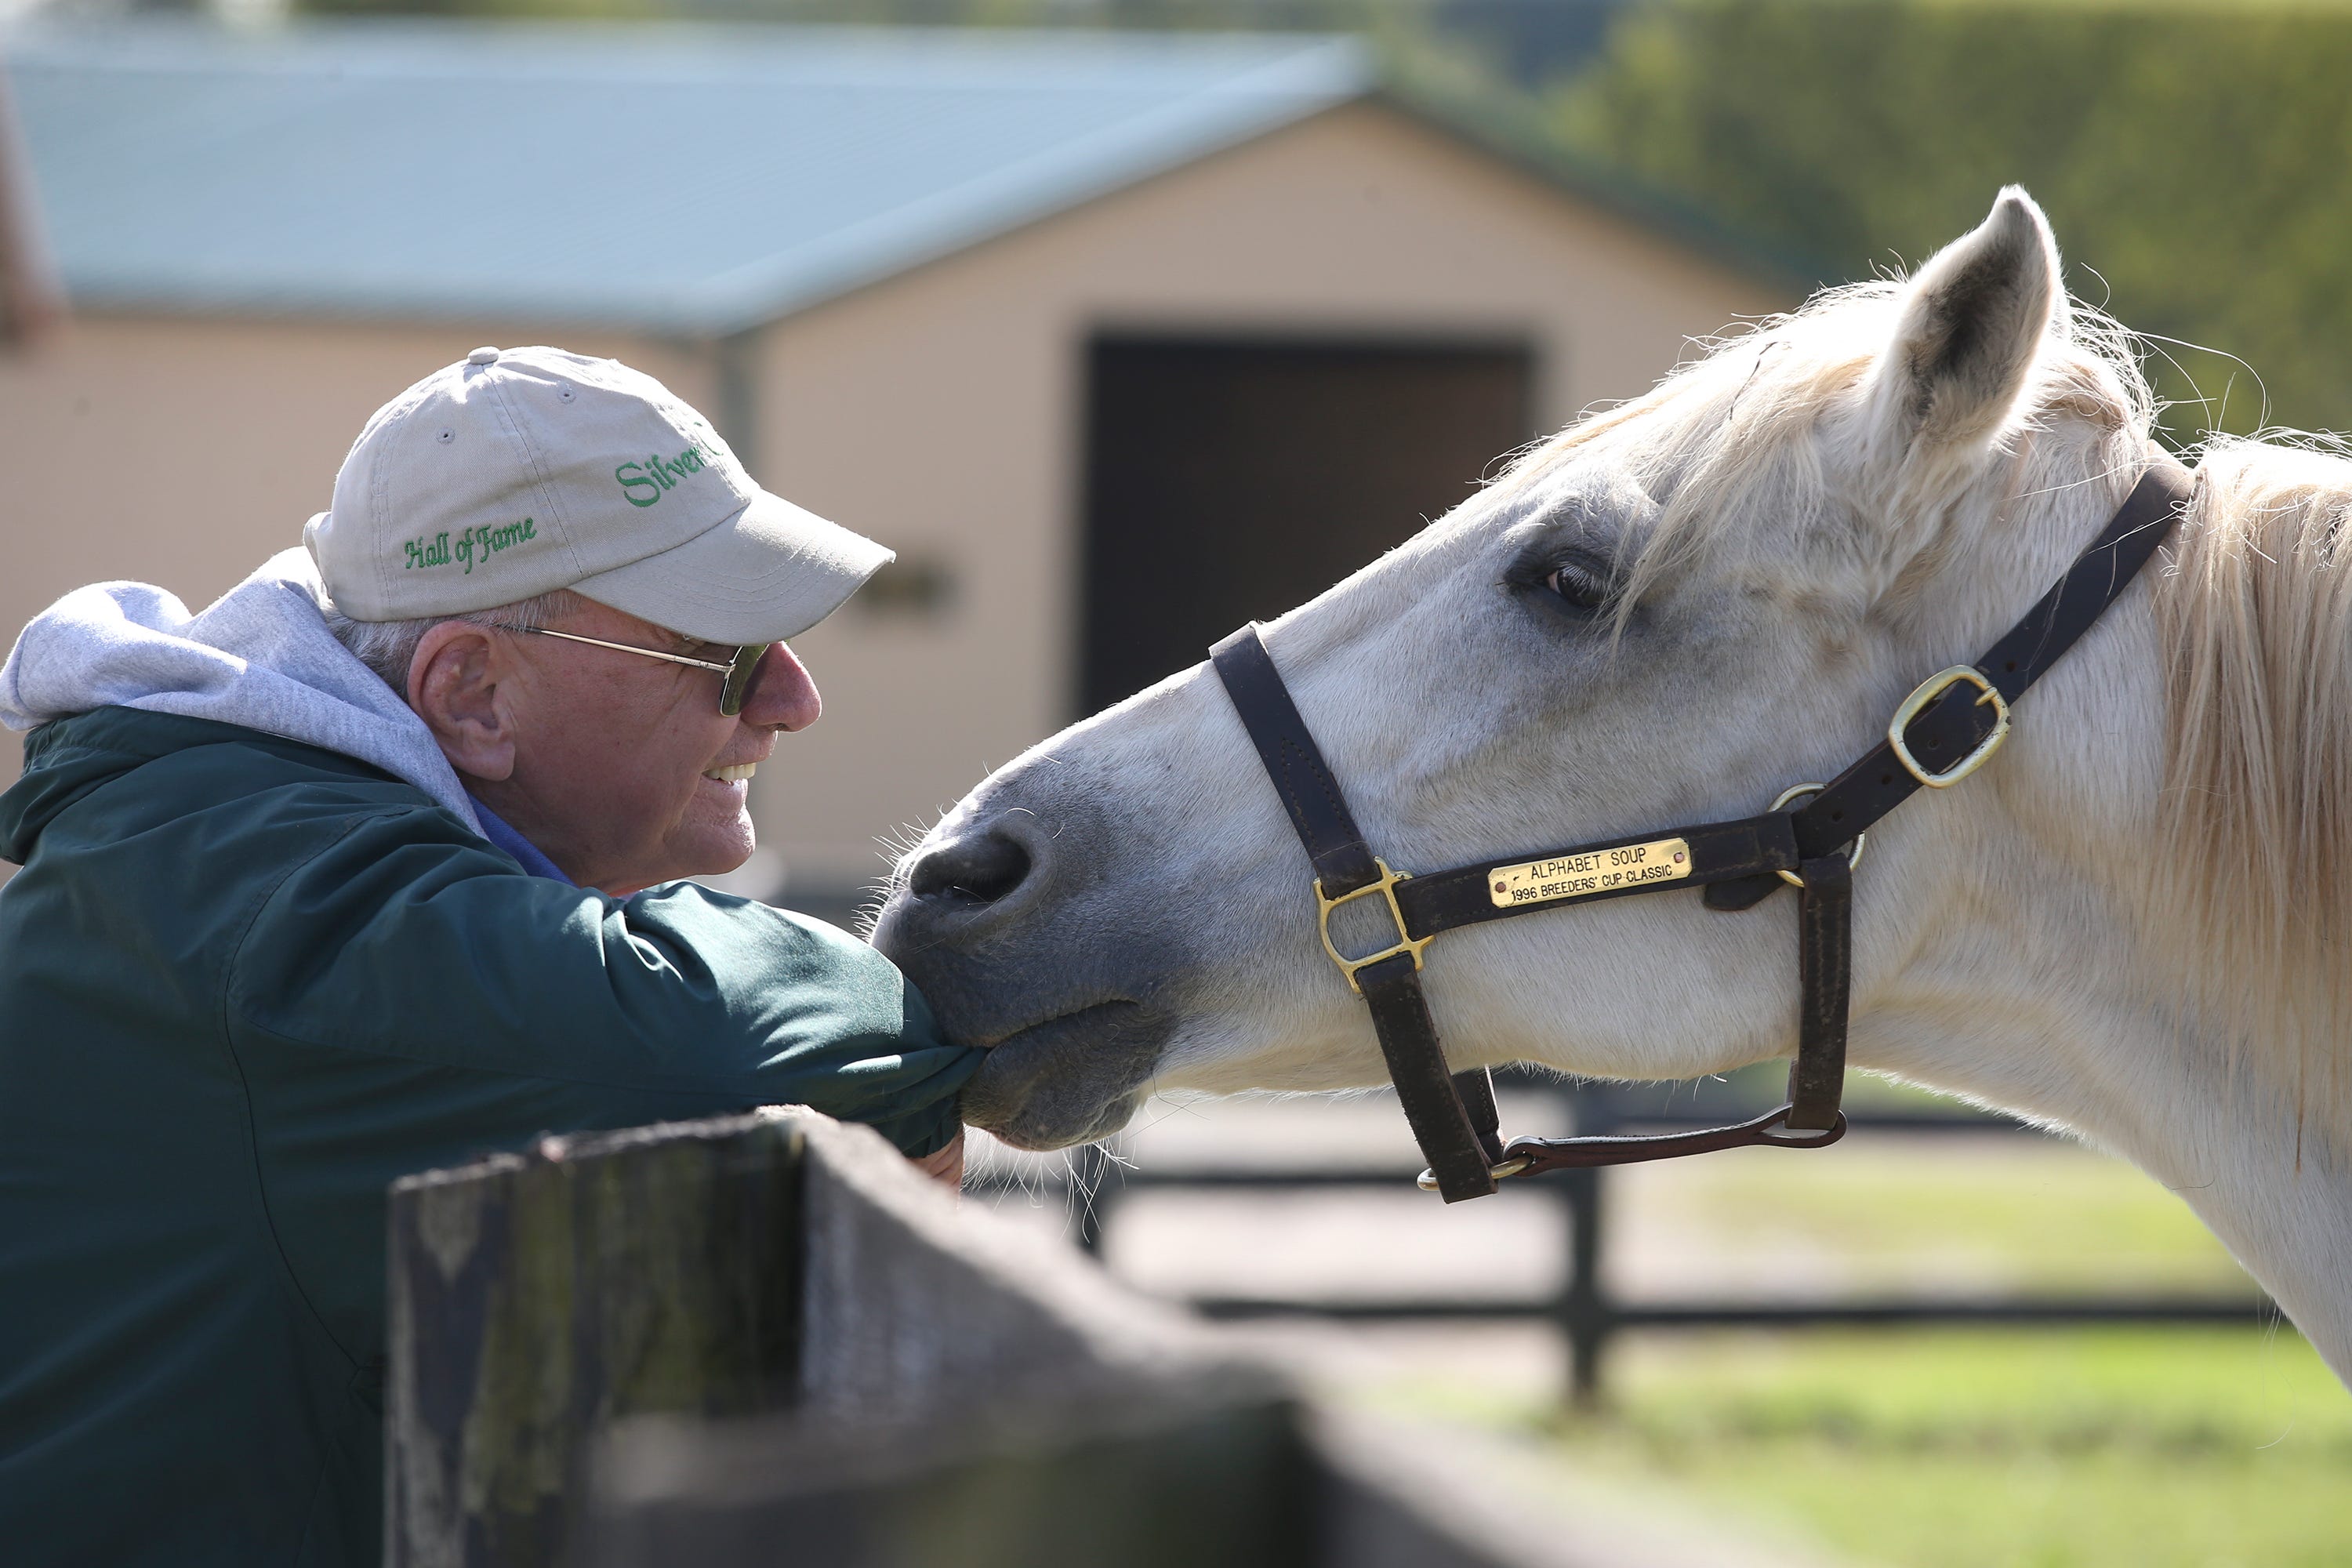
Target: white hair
[(389, 647), (1738, 422)]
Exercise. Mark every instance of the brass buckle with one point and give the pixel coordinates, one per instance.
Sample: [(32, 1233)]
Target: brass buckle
[(1427, 1180), (1926, 691), (1386, 888), (1861, 840)]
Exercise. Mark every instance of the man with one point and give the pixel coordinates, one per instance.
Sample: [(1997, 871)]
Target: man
[(369, 868)]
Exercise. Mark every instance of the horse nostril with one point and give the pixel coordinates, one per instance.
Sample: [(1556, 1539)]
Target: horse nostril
[(984, 868)]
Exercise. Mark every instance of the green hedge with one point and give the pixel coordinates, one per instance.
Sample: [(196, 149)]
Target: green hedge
[(2197, 163)]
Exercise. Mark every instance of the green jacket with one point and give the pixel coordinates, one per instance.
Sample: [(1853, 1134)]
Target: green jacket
[(243, 984)]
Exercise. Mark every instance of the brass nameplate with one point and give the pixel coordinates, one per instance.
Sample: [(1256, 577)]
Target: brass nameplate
[(1600, 871)]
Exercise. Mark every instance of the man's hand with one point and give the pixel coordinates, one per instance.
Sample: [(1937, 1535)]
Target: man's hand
[(947, 1165)]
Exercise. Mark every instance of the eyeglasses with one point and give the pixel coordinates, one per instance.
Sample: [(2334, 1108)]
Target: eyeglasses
[(739, 670)]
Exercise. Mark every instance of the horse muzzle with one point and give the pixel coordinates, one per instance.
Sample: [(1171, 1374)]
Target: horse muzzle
[(1006, 925)]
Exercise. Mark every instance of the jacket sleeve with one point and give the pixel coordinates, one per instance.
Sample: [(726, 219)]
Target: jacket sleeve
[(495, 1004)]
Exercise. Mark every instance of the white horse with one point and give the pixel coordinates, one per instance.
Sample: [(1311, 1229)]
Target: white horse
[(2131, 923)]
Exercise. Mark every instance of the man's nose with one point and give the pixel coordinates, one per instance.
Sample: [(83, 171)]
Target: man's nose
[(782, 696)]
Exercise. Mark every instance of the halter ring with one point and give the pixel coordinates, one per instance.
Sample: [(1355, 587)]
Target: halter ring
[(1854, 856), (1427, 1180)]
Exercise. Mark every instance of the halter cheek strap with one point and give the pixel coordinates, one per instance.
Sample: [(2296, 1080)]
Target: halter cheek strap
[(1453, 1116), (1949, 726)]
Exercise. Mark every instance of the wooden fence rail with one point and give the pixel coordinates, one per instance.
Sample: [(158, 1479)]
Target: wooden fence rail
[(766, 1340)]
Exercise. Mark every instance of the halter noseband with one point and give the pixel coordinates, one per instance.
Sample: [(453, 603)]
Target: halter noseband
[(1944, 730)]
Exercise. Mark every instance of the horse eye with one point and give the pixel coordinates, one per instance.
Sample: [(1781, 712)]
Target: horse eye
[(1578, 588)]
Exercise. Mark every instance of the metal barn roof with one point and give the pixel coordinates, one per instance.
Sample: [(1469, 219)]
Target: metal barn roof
[(679, 179)]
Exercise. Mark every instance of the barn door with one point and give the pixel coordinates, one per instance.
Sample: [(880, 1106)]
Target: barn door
[(1228, 481)]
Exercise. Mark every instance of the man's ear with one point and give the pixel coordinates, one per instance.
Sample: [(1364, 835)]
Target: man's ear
[(1972, 322), (453, 686)]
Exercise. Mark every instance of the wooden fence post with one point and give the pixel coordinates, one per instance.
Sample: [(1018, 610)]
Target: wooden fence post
[(775, 1263), (534, 1299)]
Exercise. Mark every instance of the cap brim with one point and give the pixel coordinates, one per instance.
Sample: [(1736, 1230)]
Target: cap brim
[(769, 573)]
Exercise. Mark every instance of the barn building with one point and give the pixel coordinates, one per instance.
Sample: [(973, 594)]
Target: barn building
[(1120, 340)]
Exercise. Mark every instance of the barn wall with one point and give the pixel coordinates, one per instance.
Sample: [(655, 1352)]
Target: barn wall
[(187, 452), (939, 411)]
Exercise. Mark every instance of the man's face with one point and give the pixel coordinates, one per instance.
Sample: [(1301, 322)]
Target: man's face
[(622, 771)]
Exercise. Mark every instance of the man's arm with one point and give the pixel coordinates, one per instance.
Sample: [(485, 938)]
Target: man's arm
[(406, 939), (406, 1000)]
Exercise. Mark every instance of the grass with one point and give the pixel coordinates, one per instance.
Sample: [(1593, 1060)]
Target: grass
[(2134, 1448), (1975, 1217), (2098, 1448), (2156, 1448)]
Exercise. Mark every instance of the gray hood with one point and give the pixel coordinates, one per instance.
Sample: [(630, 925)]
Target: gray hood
[(260, 655)]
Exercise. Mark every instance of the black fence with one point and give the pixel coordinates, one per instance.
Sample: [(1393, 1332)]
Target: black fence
[(1587, 1314)]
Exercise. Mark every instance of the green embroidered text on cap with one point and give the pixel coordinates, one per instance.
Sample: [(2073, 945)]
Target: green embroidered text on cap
[(656, 475), (479, 544)]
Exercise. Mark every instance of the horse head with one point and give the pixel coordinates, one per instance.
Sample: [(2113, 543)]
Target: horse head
[(2130, 922), (1668, 614)]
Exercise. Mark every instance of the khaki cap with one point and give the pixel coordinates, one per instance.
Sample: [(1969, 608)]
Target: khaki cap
[(515, 472)]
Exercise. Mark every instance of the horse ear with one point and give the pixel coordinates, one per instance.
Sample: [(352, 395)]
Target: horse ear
[(1972, 324)]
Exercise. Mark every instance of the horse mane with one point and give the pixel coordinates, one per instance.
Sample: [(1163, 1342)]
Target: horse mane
[(2253, 606), (2255, 613)]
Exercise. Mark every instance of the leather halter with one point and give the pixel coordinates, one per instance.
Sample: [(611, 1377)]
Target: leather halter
[(1944, 730)]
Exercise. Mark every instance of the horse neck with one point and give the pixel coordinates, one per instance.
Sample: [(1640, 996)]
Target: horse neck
[(2046, 965), (2104, 1045)]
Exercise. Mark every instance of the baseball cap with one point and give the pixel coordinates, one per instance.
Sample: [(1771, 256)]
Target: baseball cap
[(518, 471)]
